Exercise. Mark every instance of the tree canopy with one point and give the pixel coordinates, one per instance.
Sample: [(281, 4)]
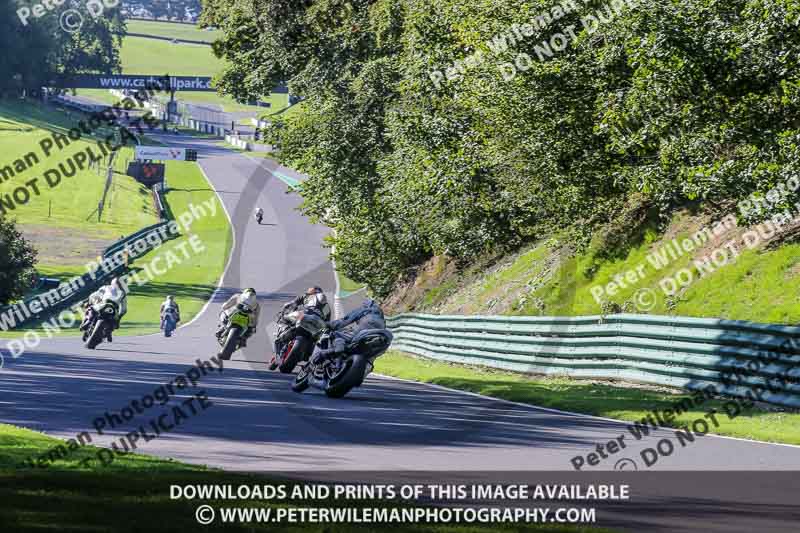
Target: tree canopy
[(548, 125), (17, 258), (33, 54), (39, 50)]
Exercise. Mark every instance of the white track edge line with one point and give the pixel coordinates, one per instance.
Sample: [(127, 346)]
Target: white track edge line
[(224, 272)]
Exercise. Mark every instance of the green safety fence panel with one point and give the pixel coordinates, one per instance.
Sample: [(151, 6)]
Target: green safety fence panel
[(737, 358)]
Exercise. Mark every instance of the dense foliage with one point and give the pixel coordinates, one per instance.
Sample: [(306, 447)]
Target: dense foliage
[(35, 52), (675, 100), (17, 258)]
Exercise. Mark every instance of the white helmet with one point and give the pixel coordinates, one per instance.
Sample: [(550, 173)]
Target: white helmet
[(315, 297), (249, 298)]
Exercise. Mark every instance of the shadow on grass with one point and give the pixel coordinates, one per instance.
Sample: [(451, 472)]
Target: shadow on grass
[(178, 290)]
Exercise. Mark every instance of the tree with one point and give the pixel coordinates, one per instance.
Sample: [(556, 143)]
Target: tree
[(17, 259), (558, 125), (39, 51)]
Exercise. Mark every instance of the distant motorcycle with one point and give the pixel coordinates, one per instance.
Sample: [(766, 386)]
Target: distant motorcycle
[(340, 374), (100, 319), (170, 321), (232, 329), (296, 331), (259, 217)]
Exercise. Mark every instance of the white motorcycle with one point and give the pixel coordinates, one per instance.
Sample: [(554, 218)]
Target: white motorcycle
[(101, 318)]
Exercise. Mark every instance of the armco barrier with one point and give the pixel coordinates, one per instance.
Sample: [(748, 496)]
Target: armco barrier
[(133, 237), (738, 358)]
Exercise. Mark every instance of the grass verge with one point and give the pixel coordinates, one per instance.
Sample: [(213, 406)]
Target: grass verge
[(195, 278), (172, 30), (347, 286), (73, 202), (589, 397)]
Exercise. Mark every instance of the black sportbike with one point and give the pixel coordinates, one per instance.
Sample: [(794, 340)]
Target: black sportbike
[(296, 331), (339, 374), (99, 321)]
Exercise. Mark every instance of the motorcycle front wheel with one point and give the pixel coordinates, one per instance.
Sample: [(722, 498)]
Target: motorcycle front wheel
[(97, 335), (301, 379), (294, 353), (231, 343), (349, 377)]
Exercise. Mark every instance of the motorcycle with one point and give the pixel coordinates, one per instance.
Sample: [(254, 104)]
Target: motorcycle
[(343, 372), (170, 321), (100, 320), (296, 331), (259, 217), (232, 329)]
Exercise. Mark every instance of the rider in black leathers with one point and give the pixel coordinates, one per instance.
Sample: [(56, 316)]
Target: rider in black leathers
[(314, 298), (368, 316)]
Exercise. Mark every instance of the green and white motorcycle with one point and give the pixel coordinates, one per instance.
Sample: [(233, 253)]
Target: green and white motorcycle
[(232, 329)]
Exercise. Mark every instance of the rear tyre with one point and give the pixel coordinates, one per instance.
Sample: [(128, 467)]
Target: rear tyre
[(97, 335), (231, 343), (348, 378), (301, 379), (169, 327), (294, 354)]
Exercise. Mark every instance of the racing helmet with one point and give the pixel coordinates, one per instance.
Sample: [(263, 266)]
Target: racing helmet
[(315, 297), (249, 298)]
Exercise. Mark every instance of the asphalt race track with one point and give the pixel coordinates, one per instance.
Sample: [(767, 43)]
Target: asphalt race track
[(258, 424)]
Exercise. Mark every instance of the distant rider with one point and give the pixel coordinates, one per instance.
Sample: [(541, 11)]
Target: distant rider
[(259, 215), (170, 305), (368, 316), (250, 299), (314, 298)]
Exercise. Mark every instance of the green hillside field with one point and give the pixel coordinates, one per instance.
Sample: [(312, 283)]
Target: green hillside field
[(141, 55), (62, 222)]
